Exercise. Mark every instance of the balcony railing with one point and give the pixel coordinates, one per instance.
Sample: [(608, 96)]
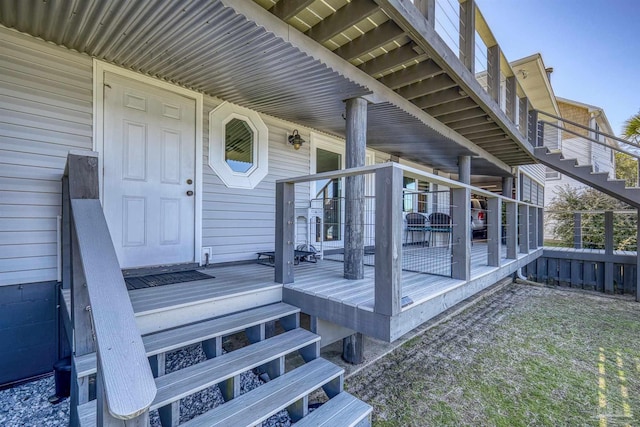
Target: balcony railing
[(436, 240)]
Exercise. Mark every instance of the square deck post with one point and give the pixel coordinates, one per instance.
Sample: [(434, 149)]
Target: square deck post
[(540, 227), (468, 34), (608, 252), (523, 228), (512, 99), (461, 233), (285, 232), (428, 10), (388, 265), (512, 230), (533, 228), (577, 230), (493, 72), (494, 231)]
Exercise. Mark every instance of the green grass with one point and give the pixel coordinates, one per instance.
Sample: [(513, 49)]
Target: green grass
[(526, 356)]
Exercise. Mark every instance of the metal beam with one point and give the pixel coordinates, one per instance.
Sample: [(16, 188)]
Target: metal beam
[(343, 18), (287, 9), (427, 86), (370, 41), (391, 60), (438, 98), (412, 74)]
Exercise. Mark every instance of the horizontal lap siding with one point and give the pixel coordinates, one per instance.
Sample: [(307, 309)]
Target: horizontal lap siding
[(45, 111), (236, 222)]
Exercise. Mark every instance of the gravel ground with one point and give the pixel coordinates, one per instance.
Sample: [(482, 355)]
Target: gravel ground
[(28, 405)]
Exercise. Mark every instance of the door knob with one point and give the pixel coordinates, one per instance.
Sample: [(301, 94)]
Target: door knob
[(189, 181), (189, 193)]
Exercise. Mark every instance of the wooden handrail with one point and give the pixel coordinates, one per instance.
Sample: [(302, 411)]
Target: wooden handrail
[(102, 309), (128, 381)]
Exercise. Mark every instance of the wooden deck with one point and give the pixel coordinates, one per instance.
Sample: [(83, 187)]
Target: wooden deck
[(320, 290)]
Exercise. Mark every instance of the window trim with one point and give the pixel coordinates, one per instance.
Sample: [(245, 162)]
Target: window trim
[(218, 119)]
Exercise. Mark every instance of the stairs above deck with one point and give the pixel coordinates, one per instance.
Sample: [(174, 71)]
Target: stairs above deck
[(263, 354), (585, 174)]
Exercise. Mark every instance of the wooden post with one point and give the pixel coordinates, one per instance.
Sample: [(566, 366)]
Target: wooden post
[(356, 143), (540, 227), (461, 234), (493, 72), (507, 186), (577, 230), (512, 230), (388, 268), (532, 126), (494, 231), (523, 112), (608, 251), (638, 257), (533, 228), (464, 169), (353, 349), (512, 98), (285, 232), (468, 34), (523, 229), (428, 10)]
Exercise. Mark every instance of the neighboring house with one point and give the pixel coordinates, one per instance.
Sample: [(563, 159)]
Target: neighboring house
[(574, 145), (196, 112)]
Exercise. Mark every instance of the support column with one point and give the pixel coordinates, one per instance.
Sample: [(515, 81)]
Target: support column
[(507, 186), (461, 234), (468, 34), (540, 227), (428, 10), (354, 189), (608, 252), (464, 169), (493, 72), (353, 349), (533, 228), (285, 232)]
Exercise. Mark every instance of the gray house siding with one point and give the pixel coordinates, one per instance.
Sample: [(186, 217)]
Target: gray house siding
[(45, 110)]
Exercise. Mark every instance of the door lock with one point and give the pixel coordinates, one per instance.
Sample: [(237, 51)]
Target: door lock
[(189, 193), (189, 181)]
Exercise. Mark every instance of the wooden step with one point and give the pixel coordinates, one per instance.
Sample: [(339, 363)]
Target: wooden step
[(176, 385), (259, 404), (344, 410), (165, 341)]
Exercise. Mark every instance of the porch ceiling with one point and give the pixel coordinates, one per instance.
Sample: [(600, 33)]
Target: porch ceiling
[(208, 47)]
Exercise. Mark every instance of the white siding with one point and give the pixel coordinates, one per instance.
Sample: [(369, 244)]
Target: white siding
[(237, 223), (45, 111)]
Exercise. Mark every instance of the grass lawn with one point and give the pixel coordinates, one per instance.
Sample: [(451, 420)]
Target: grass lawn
[(525, 356)]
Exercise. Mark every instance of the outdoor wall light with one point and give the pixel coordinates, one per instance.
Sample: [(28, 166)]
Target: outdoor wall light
[(295, 139)]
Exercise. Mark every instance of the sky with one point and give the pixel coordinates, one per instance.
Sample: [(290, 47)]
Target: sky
[(592, 45)]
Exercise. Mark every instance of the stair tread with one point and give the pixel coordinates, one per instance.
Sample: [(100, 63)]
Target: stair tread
[(343, 410), (184, 382), (160, 342), (266, 400), (190, 380)]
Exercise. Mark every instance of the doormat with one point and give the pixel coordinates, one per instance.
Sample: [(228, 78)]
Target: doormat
[(152, 280)]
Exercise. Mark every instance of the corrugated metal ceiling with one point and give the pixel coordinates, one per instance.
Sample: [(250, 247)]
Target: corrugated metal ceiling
[(207, 47)]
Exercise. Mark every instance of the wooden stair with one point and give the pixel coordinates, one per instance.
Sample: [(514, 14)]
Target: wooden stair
[(263, 354), (585, 174)]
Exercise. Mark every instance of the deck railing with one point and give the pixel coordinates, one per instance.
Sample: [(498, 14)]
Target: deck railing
[(102, 315), (593, 250), (390, 246)]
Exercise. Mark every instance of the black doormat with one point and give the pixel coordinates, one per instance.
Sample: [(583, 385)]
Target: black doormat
[(152, 280)]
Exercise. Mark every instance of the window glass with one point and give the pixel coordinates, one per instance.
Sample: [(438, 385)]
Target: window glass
[(238, 145)]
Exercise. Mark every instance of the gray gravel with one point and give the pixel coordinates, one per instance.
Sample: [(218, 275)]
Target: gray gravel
[(28, 405)]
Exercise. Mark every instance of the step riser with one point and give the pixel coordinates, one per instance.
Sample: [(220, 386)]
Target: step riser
[(178, 316)]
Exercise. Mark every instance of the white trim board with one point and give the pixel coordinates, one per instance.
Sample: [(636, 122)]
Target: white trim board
[(99, 69)]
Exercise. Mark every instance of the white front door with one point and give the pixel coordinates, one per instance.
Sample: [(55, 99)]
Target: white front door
[(149, 172)]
